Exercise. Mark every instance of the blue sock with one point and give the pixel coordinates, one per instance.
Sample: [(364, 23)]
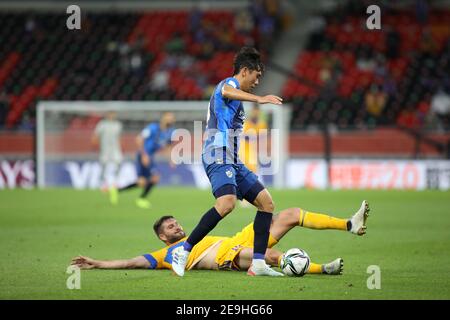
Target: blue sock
[(209, 220), (187, 246), (258, 256), (261, 228)]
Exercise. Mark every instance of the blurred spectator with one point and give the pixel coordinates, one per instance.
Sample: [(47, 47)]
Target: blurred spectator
[(443, 70), (273, 10), (257, 10), (422, 10), (440, 103), (330, 74), (207, 50), (170, 62), (205, 41), (243, 23), (330, 71), (423, 109), (4, 106), (365, 61), (124, 51), (160, 80), (185, 62), (131, 55), (30, 25), (440, 108), (272, 7), (375, 101), (176, 44), (408, 118), (136, 63), (389, 85), (140, 43), (393, 40), (195, 20), (32, 30), (27, 123), (287, 14), (427, 80), (267, 17), (380, 68), (428, 45), (223, 37), (266, 29)]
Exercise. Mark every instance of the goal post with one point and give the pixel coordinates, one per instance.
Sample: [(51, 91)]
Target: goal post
[(64, 129)]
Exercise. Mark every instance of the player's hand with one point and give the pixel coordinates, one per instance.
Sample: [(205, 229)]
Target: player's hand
[(270, 99), (145, 159), (84, 262)]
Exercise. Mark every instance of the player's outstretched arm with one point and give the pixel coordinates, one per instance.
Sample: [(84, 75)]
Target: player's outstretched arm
[(236, 94), (87, 263)]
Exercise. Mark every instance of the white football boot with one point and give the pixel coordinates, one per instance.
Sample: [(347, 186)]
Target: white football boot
[(335, 267), (263, 270), (179, 260), (358, 220)]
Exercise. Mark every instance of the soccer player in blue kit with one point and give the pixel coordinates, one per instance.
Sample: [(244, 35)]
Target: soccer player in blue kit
[(230, 179), (155, 137)]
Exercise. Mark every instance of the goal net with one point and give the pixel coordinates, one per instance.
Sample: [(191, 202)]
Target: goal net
[(66, 155)]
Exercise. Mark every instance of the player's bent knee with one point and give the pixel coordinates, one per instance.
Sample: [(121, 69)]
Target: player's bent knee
[(225, 204), (268, 206), (264, 202), (291, 216), (226, 208), (271, 206)]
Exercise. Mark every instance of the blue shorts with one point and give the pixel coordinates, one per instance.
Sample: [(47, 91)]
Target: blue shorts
[(245, 182), (145, 171)]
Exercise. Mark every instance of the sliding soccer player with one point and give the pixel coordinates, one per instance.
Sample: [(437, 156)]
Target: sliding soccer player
[(234, 253)]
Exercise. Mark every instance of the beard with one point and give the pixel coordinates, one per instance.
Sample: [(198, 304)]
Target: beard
[(176, 237)]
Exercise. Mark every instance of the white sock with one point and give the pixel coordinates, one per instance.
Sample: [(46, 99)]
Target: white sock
[(258, 263)]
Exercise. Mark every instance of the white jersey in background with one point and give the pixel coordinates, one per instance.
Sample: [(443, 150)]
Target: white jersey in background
[(108, 132)]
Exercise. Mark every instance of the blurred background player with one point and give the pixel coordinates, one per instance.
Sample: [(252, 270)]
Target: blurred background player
[(156, 137), (107, 135), (253, 133)]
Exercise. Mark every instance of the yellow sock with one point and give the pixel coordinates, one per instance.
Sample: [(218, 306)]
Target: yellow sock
[(315, 268), (321, 221)]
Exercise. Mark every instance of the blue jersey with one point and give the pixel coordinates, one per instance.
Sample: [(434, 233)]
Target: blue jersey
[(155, 138), (224, 126)]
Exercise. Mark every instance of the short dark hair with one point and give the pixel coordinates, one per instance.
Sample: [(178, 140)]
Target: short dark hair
[(159, 222), (247, 57)]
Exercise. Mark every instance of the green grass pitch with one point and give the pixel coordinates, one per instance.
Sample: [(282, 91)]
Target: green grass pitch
[(40, 231)]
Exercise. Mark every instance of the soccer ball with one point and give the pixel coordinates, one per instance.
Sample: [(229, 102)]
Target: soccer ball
[(295, 262)]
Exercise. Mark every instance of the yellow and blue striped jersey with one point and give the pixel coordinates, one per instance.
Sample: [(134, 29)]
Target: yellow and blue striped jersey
[(162, 259)]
